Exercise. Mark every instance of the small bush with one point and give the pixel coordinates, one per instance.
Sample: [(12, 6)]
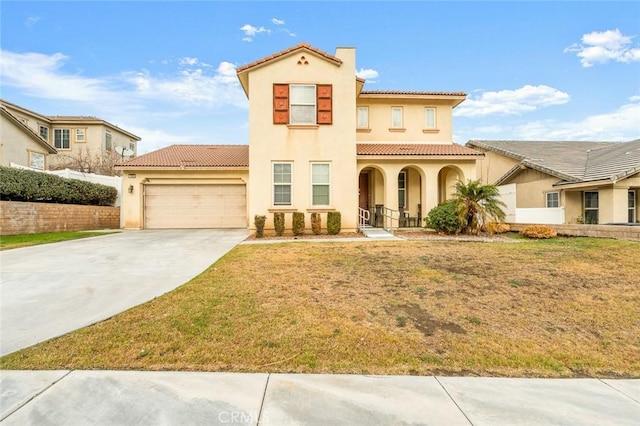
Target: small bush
[(278, 223), (497, 228), (334, 224), (259, 222), (316, 223), (539, 232), (444, 218), (298, 223)]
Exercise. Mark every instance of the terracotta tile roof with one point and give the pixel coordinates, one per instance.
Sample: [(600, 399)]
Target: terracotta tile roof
[(193, 156), (414, 149), (286, 52), (405, 92)]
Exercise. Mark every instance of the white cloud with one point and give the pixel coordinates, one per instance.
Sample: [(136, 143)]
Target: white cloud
[(250, 31), (277, 21), (41, 75), (32, 21), (602, 47), (619, 125), (511, 102), (368, 74)]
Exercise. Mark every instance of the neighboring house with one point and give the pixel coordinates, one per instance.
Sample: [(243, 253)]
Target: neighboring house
[(318, 143), (565, 182), (86, 144), (20, 145)]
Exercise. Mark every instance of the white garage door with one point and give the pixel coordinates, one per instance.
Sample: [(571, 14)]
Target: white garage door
[(195, 206)]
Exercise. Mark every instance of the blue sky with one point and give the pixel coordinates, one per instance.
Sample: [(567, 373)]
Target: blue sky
[(166, 70)]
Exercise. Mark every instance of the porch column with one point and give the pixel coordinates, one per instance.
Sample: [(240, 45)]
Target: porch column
[(430, 190), (618, 210)]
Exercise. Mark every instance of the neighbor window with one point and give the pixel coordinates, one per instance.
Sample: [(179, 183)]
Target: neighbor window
[(553, 199), (632, 207), (402, 190), (61, 138), (80, 135), (429, 118), (107, 141), (36, 160), (303, 104), (132, 147), (282, 178), (591, 207), (320, 184), (44, 133), (396, 117), (363, 117)]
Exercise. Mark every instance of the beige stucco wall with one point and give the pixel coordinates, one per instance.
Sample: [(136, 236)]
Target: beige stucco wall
[(301, 145), (132, 214), (532, 187), (413, 121), (493, 166), (16, 145)]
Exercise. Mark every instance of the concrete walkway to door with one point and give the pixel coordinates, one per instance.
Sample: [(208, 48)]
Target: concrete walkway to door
[(52, 289)]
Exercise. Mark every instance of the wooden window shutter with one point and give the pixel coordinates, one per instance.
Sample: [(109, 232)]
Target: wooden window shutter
[(280, 104), (323, 93)]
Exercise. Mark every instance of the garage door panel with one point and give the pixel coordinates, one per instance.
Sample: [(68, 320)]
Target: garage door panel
[(195, 206)]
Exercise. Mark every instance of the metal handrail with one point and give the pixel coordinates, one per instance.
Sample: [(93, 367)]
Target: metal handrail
[(389, 216), (363, 218)]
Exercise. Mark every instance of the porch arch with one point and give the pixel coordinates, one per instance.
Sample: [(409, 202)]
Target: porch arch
[(447, 178)]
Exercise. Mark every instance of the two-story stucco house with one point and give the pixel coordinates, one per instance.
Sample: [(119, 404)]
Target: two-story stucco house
[(80, 143), (318, 142)]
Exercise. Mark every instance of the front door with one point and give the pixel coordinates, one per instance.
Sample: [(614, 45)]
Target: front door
[(364, 191)]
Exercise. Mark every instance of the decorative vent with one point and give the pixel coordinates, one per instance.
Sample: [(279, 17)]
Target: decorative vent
[(303, 61)]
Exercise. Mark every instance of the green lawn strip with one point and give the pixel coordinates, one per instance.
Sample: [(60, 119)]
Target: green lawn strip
[(411, 307), (24, 240)]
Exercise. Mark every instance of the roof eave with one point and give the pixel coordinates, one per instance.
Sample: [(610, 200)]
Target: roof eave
[(180, 168), (418, 156), (30, 133)]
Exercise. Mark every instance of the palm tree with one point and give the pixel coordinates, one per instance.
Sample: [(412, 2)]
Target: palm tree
[(476, 204)]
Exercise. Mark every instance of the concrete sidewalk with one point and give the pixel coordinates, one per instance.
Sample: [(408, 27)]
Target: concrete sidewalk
[(189, 398)]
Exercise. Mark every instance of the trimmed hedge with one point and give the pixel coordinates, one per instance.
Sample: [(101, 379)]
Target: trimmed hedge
[(444, 218), (31, 186), (278, 223), (334, 223), (316, 223), (298, 223), (259, 221)]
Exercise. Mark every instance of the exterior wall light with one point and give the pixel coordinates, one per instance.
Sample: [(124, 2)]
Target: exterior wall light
[(130, 189)]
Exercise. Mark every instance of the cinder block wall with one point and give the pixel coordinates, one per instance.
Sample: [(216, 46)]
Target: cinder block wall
[(34, 218), (619, 232)]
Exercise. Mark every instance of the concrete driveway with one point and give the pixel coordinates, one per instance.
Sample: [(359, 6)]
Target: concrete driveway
[(50, 290)]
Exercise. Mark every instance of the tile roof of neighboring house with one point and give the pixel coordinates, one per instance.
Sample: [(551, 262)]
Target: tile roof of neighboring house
[(406, 92), (414, 149), (33, 135), (193, 156), (286, 52), (570, 161)]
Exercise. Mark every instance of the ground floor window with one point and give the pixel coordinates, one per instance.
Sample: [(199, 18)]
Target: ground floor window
[(282, 179), (632, 206), (553, 199), (320, 184), (591, 205)]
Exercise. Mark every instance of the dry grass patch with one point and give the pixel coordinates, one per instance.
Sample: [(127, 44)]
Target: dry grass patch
[(554, 308)]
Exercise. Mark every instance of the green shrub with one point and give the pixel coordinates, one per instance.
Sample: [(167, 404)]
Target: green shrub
[(32, 186), (298, 223), (334, 224), (259, 222), (316, 223), (278, 223), (444, 218), (539, 232)]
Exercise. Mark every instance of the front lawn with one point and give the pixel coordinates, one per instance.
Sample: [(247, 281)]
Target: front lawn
[(24, 240), (567, 307)]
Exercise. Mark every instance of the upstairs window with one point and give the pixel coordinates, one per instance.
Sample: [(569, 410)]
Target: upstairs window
[(396, 117), (80, 135), (107, 142), (429, 118), (553, 199), (363, 117), (61, 138), (44, 133), (302, 104)]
